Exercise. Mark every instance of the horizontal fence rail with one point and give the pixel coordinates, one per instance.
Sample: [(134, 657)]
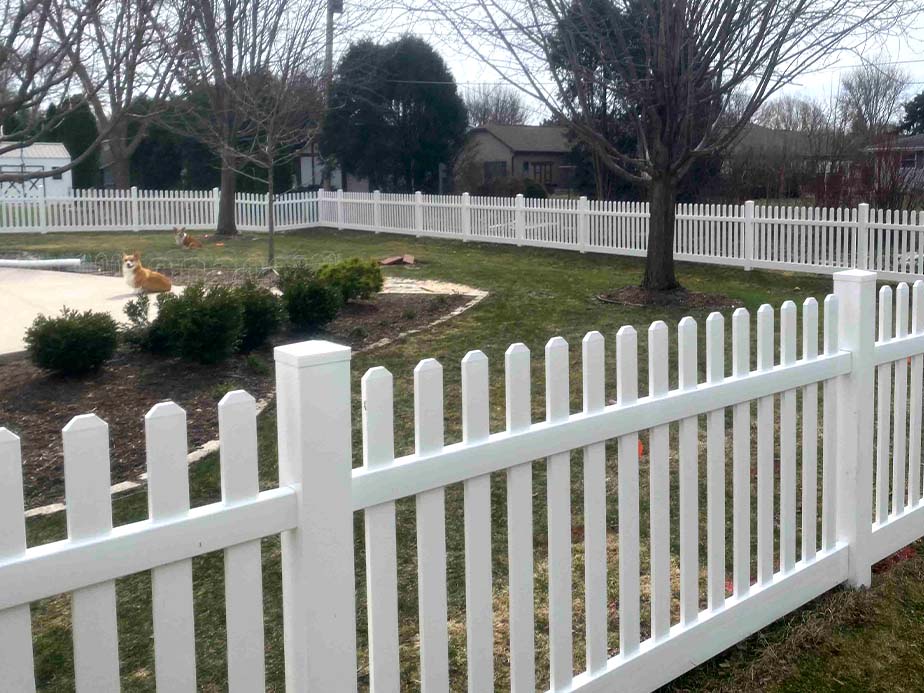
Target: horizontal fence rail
[(784, 461)]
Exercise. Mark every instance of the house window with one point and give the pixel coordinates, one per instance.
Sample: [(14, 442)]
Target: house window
[(494, 170), (57, 176), (908, 160), (542, 172), (525, 168)]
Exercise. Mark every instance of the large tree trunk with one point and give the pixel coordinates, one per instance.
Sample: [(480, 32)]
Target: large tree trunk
[(226, 223), (659, 263), (270, 219), (121, 170), (120, 164)]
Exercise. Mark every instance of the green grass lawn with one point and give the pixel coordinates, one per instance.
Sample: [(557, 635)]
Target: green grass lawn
[(842, 641)]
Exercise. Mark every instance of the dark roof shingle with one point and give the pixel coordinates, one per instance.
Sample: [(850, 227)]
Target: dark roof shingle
[(531, 138)]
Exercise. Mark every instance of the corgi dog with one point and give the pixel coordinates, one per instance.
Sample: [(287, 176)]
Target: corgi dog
[(141, 279), (185, 240)]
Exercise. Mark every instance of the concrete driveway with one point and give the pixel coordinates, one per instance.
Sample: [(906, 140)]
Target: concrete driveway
[(25, 293)]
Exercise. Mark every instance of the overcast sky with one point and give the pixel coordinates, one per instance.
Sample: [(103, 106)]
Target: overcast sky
[(906, 52)]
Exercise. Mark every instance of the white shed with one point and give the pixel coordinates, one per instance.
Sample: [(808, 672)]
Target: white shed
[(40, 156)]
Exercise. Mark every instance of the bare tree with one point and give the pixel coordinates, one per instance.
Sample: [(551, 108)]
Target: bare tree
[(130, 42), (494, 105), (38, 41), (280, 111), (872, 98), (672, 67), (221, 44)]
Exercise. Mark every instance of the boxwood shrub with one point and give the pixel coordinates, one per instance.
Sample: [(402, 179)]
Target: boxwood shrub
[(73, 342)]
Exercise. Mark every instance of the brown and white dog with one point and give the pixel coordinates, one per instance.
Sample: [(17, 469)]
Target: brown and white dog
[(141, 279), (185, 240)]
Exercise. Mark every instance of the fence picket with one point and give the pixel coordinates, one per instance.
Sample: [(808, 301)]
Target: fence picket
[(171, 585), (237, 433), (431, 532), (689, 473), (829, 433), (715, 467), (788, 443), (380, 528), (16, 666), (883, 408), (595, 569), (89, 516), (765, 431), (479, 615), (520, 528), (659, 471), (628, 496), (741, 444), (900, 405), (558, 493), (914, 408), (809, 434)]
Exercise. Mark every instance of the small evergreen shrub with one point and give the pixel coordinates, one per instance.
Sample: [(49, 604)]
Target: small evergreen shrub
[(261, 313), (73, 342), (309, 302), (203, 325), (354, 278), (138, 330)]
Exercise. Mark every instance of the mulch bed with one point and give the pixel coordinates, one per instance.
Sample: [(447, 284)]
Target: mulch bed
[(639, 297), (37, 405)]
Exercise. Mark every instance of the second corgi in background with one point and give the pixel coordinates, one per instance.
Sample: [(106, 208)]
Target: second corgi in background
[(186, 241)]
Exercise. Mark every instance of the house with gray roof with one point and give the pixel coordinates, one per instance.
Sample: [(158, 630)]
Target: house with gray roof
[(538, 152)]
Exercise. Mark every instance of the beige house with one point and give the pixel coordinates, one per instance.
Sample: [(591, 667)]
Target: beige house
[(520, 151)]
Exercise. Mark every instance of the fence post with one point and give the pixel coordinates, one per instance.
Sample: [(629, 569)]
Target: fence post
[(340, 209), (466, 217), (583, 223), (855, 291), (322, 207), (377, 209), (862, 254), (313, 419), (136, 222), (418, 213), (748, 235), (519, 219), (216, 198), (43, 215)]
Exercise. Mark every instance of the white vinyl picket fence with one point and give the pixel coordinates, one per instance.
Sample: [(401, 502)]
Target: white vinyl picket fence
[(807, 239), (150, 210), (830, 484)]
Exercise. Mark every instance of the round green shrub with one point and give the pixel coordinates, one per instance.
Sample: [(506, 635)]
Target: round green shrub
[(72, 343), (354, 278), (261, 313), (309, 302), (203, 325)]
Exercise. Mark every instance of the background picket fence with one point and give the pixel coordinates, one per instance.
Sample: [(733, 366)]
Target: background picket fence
[(809, 239), (150, 210), (841, 507)]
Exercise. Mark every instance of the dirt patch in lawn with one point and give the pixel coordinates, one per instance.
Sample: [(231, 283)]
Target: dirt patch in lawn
[(639, 297), (37, 405)]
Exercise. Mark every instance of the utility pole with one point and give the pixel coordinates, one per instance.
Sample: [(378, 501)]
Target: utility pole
[(333, 7)]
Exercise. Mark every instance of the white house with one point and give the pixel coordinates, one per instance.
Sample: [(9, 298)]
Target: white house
[(40, 156)]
